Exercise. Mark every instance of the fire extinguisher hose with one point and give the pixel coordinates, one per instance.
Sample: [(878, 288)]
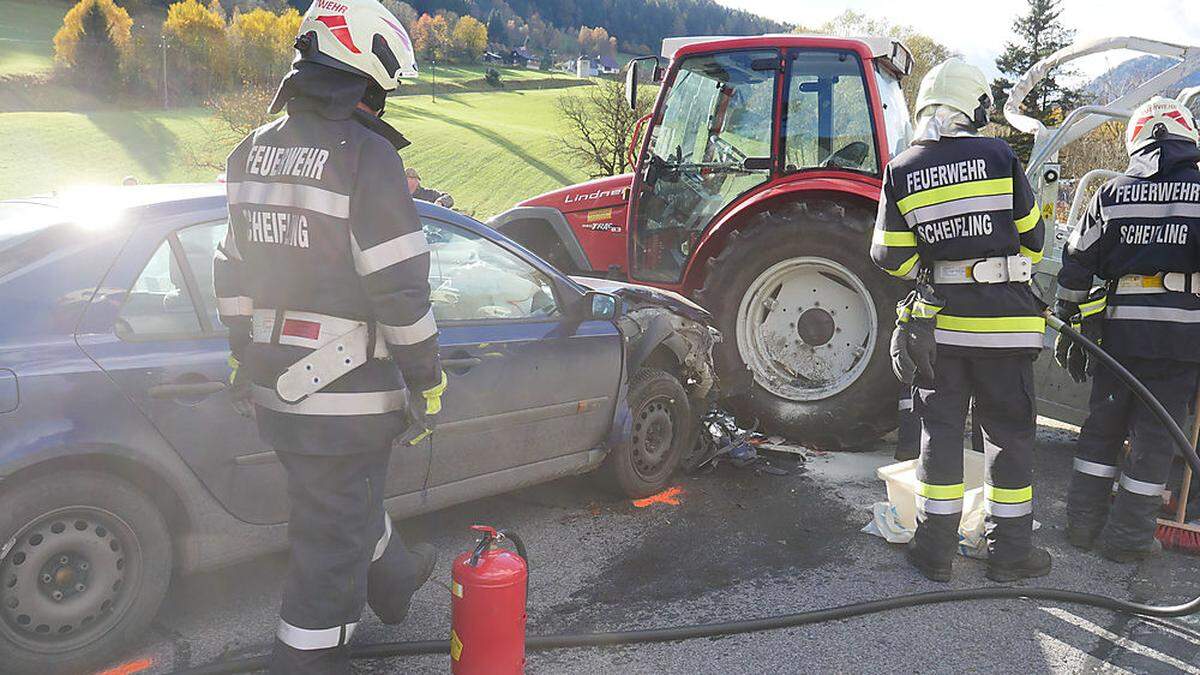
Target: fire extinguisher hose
[(673, 633)]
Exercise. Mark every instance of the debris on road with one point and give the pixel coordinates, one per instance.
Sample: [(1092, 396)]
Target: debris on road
[(670, 496)]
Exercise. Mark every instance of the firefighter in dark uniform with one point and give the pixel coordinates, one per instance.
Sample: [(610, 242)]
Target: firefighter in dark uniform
[(1141, 236), (958, 216), (323, 283)]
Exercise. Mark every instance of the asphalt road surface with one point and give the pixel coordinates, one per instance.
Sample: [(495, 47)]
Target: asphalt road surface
[(741, 543)]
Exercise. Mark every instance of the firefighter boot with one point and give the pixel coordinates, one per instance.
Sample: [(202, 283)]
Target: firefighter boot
[(396, 577), (1129, 535), (1035, 564), (934, 569)]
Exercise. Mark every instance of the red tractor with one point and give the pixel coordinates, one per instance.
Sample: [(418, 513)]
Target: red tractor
[(756, 184)]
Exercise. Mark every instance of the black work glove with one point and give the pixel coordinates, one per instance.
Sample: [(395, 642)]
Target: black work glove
[(913, 348), (1088, 319), (421, 415)]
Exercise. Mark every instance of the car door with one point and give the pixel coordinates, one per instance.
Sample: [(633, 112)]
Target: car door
[(168, 352), (527, 385)]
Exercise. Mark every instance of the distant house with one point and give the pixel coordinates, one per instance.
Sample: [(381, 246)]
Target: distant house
[(592, 66), (492, 57), (519, 57)]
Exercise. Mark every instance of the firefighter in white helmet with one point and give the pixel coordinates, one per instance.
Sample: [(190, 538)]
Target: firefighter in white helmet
[(1141, 236), (323, 284), (959, 218)]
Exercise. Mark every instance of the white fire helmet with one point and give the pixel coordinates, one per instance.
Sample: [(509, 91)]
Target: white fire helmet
[(358, 36), (959, 85), (1159, 119)]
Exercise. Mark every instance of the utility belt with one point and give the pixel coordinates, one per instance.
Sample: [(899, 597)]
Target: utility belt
[(1163, 282), (339, 346), (995, 270)]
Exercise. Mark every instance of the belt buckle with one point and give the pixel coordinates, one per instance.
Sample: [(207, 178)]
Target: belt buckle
[(1018, 267), (981, 270)]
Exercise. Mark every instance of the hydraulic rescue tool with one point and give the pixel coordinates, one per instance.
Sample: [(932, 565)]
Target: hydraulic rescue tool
[(673, 633)]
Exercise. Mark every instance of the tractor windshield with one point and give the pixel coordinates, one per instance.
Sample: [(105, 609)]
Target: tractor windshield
[(895, 112), (712, 143)]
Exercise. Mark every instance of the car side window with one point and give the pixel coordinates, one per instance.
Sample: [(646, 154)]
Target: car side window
[(161, 303), (199, 247), (471, 279)]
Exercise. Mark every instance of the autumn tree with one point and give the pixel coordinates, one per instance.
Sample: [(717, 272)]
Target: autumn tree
[(431, 37), (262, 44), (94, 37), (197, 49), (594, 40), (469, 38), (600, 125)]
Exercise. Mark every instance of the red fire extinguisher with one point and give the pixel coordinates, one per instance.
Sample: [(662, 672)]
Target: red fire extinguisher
[(487, 607)]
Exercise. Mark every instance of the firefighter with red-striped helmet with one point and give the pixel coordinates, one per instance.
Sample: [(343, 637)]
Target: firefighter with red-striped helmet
[(323, 283), (1141, 236)]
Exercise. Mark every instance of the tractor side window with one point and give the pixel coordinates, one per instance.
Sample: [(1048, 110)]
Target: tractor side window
[(828, 114), (711, 144)]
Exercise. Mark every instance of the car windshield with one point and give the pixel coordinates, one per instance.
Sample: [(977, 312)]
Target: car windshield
[(20, 223)]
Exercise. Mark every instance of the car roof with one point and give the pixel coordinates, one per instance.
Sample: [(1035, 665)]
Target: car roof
[(110, 205)]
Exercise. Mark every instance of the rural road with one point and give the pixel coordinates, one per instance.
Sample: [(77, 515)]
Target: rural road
[(739, 544)]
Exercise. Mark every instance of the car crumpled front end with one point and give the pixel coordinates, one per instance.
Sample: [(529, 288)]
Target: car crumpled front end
[(656, 322)]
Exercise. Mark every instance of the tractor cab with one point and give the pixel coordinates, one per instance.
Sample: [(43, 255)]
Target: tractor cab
[(738, 114), (756, 182)]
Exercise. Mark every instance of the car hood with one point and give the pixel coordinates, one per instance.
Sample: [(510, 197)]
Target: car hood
[(638, 294)]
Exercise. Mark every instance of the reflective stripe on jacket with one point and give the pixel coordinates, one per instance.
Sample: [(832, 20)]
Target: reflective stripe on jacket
[(1142, 226), (964, 198)]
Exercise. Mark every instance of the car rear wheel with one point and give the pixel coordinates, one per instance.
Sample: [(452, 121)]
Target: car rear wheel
[(805, 311), (663, 425), (86, 564)]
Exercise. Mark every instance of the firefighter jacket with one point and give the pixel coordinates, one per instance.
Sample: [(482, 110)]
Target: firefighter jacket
[(1141, 234), (948, 205), (323, 238)]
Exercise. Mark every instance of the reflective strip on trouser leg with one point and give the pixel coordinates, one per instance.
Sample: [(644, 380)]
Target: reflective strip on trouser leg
[(1143, 488), (1008, 502), (1096, 469), (382, 544), (939, 500), (308, 639)]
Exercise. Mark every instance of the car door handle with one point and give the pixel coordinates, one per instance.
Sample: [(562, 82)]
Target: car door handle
[(191, 390), (460, 363)]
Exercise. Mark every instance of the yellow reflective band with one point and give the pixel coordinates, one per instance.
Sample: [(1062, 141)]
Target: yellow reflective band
[(433, 396), (1093, 307), (924, 310), (992, 324), (940, 491), (1008, 495), (949, 193), (906, 267), (903, 313), (1035, 257), (1030, 221), (885, 238)]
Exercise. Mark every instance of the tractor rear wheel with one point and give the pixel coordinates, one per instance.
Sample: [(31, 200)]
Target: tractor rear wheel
[(803, 308)]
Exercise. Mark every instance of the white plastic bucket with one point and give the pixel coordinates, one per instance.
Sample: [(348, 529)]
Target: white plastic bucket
[(901, 480)]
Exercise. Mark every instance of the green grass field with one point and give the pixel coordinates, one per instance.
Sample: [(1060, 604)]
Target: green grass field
[(489, 150), (27, 29)]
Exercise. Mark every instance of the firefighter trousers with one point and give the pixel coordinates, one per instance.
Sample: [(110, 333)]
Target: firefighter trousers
[(1002, 388), (1115, 415), (340, 540)]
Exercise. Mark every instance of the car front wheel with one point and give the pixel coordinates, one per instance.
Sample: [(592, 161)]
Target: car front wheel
[(86, 563), (663, 425)]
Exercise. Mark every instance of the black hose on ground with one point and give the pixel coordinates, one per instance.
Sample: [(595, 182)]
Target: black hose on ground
[(540, 642)]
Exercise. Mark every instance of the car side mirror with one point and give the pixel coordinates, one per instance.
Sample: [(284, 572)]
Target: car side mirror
[(597, 306)]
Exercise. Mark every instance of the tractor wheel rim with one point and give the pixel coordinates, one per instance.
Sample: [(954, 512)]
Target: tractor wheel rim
[(653, 436), (807, 327), (69, 576)]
